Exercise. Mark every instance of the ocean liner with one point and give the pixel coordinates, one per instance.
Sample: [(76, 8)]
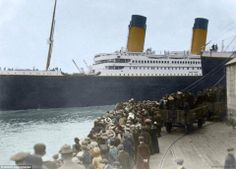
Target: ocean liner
[(119, 76)]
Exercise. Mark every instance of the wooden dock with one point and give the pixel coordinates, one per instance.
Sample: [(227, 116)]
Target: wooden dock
[(203, 149)]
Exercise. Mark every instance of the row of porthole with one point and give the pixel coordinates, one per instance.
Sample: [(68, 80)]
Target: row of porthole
[(28, 73), (152, 74), (155, 61), (165, 68)]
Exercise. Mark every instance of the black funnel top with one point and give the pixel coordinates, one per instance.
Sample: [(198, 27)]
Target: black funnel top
[(138, 21), (200, 23)]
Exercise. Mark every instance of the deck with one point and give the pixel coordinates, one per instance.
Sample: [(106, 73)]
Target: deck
[(205, 148)]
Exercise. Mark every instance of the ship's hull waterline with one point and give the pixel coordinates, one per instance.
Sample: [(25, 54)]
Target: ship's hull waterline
[(33, 92)]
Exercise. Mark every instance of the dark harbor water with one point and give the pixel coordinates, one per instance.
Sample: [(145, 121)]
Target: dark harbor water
[(20, 130)]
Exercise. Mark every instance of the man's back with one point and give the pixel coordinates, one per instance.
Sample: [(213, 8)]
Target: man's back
[(35, 161), (71, 166), (230, 162), (124, 159)]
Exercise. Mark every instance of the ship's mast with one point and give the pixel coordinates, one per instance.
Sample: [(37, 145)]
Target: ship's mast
[(76, 66), (51, 37)]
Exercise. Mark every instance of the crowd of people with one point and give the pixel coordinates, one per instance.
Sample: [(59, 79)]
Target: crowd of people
[(123, 138)]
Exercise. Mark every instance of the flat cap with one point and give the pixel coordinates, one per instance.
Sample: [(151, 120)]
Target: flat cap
[(20, 156)]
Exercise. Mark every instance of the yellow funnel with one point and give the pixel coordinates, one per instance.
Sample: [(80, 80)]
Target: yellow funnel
[(136, 37), (199, 36)]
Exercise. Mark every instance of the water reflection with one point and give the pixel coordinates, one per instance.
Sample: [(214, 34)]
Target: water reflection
[(24, 117), (19, 130)]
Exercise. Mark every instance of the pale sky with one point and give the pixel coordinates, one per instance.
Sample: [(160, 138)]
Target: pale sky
[(87, 27)]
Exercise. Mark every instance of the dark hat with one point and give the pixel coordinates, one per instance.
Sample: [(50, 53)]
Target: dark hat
[(76, 139), (40, 148), (55, 156), (230, 149), (179, 161)]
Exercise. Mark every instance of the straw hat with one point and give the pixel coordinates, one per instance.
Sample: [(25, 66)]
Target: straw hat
[(96, 151), (179, 92), (148, 121), (170, 98), (66, 149)]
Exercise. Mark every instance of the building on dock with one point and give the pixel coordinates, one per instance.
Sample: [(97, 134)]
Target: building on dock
[(231, 88)]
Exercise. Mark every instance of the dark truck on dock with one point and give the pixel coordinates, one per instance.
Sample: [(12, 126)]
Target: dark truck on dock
[(184, 118)]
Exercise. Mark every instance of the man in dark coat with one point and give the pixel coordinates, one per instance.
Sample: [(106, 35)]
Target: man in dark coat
[(145, 132), (35, 160), (154, 138), (136, 134), (76, 147), (230, 162), (123, 157), (129, 145), (86, 157), (143, 155)]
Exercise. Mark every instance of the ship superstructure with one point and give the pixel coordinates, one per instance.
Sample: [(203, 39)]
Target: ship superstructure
[(133, 61), (124, 63)]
